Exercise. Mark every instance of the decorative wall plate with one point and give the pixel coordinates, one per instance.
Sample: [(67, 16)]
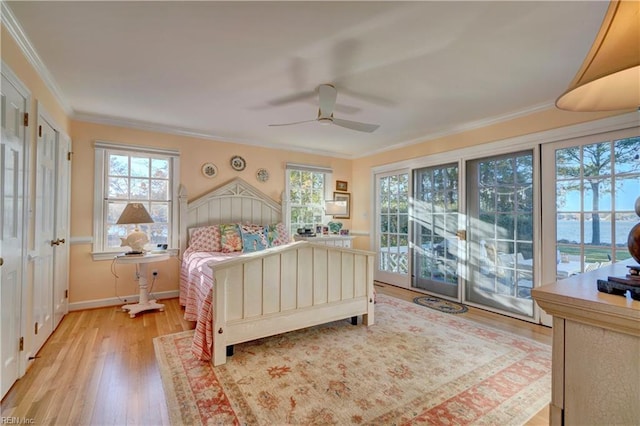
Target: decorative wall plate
[(262, 175), (209, 170), (237, 163)]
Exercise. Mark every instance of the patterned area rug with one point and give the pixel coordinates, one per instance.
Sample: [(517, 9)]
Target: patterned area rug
[(414, 365), (441, 305)]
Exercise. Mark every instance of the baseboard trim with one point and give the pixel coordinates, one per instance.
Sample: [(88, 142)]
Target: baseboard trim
[(115, 301)]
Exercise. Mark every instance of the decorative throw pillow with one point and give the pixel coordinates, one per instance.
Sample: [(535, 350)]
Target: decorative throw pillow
[(277, 235), (230, 239), (206, 238), (253, 238)]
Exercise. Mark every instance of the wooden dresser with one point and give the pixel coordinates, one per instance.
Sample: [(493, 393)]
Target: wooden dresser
[(596, 351)]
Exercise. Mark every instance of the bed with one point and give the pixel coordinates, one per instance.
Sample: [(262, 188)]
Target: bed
[(237, 296)]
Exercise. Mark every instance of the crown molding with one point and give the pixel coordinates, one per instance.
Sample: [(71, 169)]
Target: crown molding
[(12, 25), (160, 128), (465, 127)]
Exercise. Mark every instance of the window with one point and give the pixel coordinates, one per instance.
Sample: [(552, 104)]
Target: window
[(125, 174), (596, 187), (307, 190)]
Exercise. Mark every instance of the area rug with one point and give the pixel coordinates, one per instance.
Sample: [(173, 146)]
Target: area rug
[(441, 305), (414, 366)]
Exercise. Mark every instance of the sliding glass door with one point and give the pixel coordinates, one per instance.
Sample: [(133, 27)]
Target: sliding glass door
[(436, 251), (500, 232)]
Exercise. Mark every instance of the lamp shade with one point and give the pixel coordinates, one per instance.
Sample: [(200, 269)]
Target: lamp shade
[(335, 208), (134, 213), (609, 78)]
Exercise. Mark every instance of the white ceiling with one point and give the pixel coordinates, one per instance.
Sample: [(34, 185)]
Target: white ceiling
[(225, 70)]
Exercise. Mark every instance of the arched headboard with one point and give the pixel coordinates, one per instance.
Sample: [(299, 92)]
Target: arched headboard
[(234, 202)]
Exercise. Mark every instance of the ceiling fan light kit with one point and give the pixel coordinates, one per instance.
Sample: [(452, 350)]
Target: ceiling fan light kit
[(327, 95)]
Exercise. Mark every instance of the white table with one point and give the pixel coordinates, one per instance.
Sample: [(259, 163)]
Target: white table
[(144, 304), (568, 269), (329, 240), (563, 269)]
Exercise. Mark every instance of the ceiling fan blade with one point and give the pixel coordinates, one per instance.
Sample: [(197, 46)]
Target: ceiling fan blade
[(356, 125), (291, 124), (292, 98), (327, 95)]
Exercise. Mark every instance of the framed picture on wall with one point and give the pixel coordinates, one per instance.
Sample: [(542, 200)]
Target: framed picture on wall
[(341, 185), (343, 196)]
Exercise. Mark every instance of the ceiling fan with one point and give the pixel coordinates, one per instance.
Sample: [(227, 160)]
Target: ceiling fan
[(327, 95)]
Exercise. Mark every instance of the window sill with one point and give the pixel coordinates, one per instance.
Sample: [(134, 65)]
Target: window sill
[(110, 255)]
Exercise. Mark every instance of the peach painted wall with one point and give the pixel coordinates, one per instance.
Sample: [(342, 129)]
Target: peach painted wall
[(91, 280), (361, 169), (12, 56)]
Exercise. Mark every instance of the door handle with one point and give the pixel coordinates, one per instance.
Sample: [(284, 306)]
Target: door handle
[(1, 261), (57, 242)]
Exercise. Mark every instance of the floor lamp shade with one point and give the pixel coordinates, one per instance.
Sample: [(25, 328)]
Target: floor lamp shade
[(135, 213), (609, 78)]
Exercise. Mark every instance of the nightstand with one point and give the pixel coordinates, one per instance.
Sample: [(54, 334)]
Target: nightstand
[(144, 304)]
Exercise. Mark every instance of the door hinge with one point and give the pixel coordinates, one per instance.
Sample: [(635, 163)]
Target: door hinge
[(26, 119), (21, 344), (66, 294), (39, 131), (69, 155), (35, 328)]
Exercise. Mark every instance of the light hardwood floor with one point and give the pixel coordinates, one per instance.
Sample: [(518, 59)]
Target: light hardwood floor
[(99, 367)]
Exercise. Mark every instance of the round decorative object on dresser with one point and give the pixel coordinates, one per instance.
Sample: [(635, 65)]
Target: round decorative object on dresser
[(634, 238), (237, 163), (209, 170), (262, 175)]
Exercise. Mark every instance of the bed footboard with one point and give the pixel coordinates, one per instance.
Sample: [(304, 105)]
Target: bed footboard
[(287, 288)]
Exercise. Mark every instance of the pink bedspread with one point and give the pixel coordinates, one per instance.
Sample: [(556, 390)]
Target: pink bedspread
[(196, 295)]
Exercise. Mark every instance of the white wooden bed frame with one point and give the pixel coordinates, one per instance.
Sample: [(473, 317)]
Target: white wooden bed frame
[(280, 289)]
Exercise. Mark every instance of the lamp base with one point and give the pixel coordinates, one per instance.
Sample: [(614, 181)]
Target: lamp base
[(136, 240)]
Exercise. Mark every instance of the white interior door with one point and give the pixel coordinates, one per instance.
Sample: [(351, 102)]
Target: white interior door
[(44, 232), (61, 258), (12, 242)]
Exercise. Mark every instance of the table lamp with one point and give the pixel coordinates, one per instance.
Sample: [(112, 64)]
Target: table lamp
[(135, 214)]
